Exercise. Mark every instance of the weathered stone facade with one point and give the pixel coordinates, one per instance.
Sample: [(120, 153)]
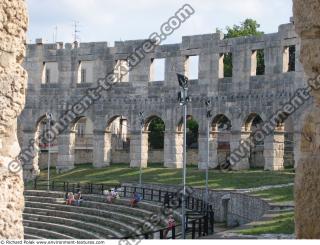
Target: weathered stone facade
[(13, 25), (241, 99), (307, 188)]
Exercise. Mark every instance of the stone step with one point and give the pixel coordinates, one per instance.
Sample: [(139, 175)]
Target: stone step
[(66, 229), (110, 225), (147, 207), (101, 231), (116, 208), (118, 216), (32, 237), (56, 194), (46, 234)]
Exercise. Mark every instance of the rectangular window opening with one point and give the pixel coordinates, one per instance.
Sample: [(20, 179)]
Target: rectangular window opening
[(192, 68), (121, 70), (289, 59), (225, 65), (257, 63), (157, 70)]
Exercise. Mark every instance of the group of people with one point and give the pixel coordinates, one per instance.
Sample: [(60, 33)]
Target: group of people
[(111, 195), (72, 199)]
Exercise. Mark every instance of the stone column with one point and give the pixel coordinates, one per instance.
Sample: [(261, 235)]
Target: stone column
[(274, 151), (213, 150), (138, 149), (173, 149), (240, 150), (102, 149), (30, 158), (66, 144)]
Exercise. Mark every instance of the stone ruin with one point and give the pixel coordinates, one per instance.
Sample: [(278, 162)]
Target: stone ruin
[(61, 74), (307, 188), (13, 25)]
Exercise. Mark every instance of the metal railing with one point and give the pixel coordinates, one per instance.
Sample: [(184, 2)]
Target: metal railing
[(199, 218)]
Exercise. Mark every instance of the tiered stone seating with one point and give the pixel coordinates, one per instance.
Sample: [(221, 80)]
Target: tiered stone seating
[(46, 216)]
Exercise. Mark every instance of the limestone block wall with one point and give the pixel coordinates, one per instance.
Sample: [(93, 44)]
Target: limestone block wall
[(229, 206), (13, 26), (307, 189), (235, 97)]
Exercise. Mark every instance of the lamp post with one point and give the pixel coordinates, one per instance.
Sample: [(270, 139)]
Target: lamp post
[(49, 119), (209, 115), (184, 100), (141, 119)]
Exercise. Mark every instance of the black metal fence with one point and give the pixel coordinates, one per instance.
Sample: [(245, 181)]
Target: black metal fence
[(199, 217)]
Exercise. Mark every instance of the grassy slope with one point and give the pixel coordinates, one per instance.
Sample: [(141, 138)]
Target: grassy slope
[(157, 174), (276, 195), (282, 224)]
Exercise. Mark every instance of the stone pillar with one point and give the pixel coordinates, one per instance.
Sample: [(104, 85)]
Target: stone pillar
[(13, 27), (307, 188), (274, 151), (101, 149), (66, 144), (173, 149), (138, 149), (30, 159), (213, 150), (240, 150)]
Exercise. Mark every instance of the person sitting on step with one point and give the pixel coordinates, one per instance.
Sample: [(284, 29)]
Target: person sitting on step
[(114, 193), (109, 197), (135, 199), (78, 199), (71, 199)]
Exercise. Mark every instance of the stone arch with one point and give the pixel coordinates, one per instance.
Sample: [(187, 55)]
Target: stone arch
[(45, 143), (220, 137), (155, 129), (251, 125), (75, 144), (117, 140), (193, 138)]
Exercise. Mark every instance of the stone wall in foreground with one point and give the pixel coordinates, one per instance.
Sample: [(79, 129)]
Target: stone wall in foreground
[(229, 206), (307, 188), (13, 25)]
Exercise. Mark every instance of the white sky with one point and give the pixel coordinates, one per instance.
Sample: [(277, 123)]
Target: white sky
[(114, 20)]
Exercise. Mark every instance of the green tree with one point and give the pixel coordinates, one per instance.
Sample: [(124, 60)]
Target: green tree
[(248, 27), (156, 135), (192, 134)]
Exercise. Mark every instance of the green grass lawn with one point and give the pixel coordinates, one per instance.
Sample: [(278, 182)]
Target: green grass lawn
[(276, 195), (155, 173), (282, 224)]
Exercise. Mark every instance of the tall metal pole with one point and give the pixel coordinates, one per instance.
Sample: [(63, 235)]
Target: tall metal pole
[(49, 142), (184, 100), (208, 104), (208, 159), (184, 164), (141, 118), (140, 171)]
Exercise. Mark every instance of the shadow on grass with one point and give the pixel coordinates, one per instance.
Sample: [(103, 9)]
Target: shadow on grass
[(282, 224)]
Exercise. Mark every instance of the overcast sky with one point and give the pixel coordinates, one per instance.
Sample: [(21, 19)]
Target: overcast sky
[(114, 20)]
